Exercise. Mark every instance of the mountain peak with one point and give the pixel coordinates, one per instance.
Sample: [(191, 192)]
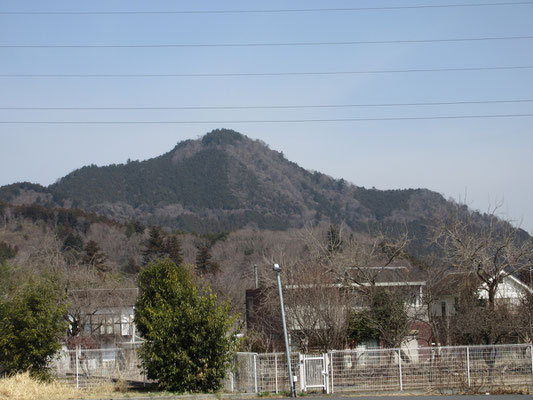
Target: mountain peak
[(222, 137)]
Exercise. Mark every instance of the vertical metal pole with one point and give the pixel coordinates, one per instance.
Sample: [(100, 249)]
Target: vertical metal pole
[(287, 348), (77, 370), (232, 374), (276, 371), (531, 351), (256, 276), (400, 368), (468, 364), (301, 366), (326, 371), (301, 373), (255, 373), (332, 377), (132, 322)]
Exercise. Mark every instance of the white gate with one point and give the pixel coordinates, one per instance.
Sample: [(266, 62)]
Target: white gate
[(314, 372)]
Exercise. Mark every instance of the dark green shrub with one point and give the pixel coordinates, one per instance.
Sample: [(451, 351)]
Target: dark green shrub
[(188, 340)]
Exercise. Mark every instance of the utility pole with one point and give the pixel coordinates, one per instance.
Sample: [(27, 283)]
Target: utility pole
[(277, 269)]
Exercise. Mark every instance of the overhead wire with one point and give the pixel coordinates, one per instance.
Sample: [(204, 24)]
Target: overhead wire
[(269, 11), (174, 122), (259, 74), (283, 73), (272, 44), (262, 107)]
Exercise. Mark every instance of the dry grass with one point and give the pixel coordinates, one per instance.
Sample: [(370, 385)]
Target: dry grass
[(21, 386)]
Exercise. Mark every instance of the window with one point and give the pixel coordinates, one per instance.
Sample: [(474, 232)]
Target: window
[(125, 325), (106, 325)]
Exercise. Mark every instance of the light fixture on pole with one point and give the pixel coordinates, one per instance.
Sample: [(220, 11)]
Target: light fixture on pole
[(277, 269)]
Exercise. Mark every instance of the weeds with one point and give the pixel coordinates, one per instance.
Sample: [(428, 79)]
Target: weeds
[(22, 386)]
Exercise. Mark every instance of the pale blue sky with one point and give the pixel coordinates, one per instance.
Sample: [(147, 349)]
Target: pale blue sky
[(489, 160)]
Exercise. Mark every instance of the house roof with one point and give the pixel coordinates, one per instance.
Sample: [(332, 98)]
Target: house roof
[(386, 276), (452, 283), (104, 298)]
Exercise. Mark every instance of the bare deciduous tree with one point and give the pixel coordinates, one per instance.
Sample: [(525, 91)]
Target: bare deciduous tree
[(485, 251), (343, 273), (318, 308), (492, 248), (524, 323)]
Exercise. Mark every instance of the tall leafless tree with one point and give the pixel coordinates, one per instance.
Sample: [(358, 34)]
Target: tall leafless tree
[(485, 251)]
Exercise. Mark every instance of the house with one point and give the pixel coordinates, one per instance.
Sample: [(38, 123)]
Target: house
[(510, 291), (461, 310), (317, 309), (102, 318)]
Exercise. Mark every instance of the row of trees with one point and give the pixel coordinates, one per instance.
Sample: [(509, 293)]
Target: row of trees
[(160, 246)]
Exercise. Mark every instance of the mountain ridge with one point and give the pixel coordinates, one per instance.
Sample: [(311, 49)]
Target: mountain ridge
[(221, 182)]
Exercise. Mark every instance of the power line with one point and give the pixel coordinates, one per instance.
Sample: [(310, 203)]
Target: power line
[(268, 11), (294, 106), (286, 44), (237, 74), (162, 122)]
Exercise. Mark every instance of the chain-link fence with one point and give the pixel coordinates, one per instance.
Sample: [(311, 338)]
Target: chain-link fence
[(462, 367), (367, 370), (87, 367), (467, 367)]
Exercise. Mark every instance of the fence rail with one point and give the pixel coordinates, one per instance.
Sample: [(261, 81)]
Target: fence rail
[(463, 367)]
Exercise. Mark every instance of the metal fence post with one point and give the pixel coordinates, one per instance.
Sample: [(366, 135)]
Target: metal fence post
[(468, 364), (234, 362), (531, 353), (400, 368), (276, 371), (77, 369), (331, 363), (326, 371), (301, 362), (255, 373)]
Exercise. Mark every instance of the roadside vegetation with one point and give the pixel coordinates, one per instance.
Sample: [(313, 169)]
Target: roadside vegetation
[(23, 386)]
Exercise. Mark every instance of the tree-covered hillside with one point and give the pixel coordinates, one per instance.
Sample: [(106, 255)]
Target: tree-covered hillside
[(200, 181), (223, 182)]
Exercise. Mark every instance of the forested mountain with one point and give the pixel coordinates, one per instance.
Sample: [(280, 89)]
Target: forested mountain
[(225, 203), (222, 182)]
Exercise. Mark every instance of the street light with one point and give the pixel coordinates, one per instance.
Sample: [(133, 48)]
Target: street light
[(277, 269)]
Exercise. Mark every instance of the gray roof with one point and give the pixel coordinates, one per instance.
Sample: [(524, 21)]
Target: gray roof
[(104, 298)]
